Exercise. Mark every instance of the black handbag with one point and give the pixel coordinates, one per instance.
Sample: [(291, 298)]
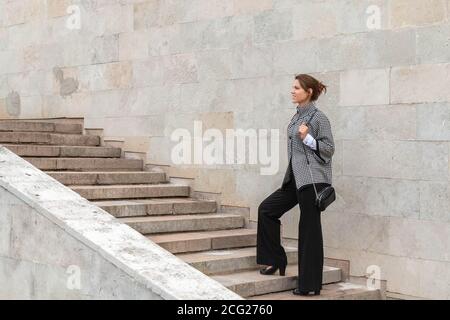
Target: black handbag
[(327, 195)]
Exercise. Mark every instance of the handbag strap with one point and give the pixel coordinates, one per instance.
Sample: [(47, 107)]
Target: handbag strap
[(307, 158)]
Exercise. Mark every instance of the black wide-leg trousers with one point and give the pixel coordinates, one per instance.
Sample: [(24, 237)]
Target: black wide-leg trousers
[(269, 250)]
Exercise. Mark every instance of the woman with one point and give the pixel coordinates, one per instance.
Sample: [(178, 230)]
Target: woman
[(316, 139)]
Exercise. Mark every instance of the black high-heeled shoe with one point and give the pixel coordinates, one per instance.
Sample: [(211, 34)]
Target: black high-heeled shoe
[(272, 269), (305, 293)]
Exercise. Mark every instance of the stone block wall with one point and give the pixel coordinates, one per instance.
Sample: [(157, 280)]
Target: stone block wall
[(141, 69)]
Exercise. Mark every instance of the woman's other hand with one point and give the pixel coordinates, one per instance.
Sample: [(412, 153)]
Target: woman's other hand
[(303, 131)]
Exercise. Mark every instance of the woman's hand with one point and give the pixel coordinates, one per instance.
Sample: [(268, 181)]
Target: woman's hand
[(303, 131)]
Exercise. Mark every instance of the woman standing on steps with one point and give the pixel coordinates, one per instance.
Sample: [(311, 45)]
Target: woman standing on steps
[(297, 188)]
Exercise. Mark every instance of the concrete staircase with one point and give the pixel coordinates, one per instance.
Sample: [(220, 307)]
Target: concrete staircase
[(217, 244)]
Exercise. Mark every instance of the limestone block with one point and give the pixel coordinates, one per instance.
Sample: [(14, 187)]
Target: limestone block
[(377, 197), (160, 39), (214, 64), (148, 73), (205, 9), (176, 69), (217, 120), (203, 96), (76, 105), (349, 123), (159, 151), (154, 100), (180, 68), (4, 87), (12, 61), (30, 33), (5, 228), (379, 49), (338, 158), (390, 122), (421, 83), (413, 238), (110, 19), (146, 14), (78, 51), (57, 8), (292, 57), (435, 202), (364, 87), (188, 37), (215, 180), (366, 230), (405, 13), (35, 231), (116, 75), (431, 286), (133, 45), (31, 106), (315, 20), (273, 25), (251, 6), (132, 126), (433, 43), (17, 279), (104, 49), (399, 159), (433, 121), (21, 11), (251, 61), (229, 32), (107, 282)]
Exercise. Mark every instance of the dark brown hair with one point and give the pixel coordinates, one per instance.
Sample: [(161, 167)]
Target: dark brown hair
[(307, 82)]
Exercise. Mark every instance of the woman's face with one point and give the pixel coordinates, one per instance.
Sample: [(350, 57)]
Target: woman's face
[(298, 94)]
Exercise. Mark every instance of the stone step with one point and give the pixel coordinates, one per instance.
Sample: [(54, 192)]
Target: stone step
[(86, 164), (251, 283), (32, 126), (206, 240), (30, 150), (334, 291), (180, 223), (107, 178), (49, 138), (230, 260), (160, 206), (131, 191)]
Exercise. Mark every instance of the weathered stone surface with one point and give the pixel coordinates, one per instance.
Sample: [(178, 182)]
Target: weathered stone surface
[(336, 291), (131, 191), (90, 164), (225, 261), (404, 13), (63, 151), (407, 83), (252, 283), (205, 240), (49, 138), (178, 223), (107, 178), (161, 206), (364, 87)]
